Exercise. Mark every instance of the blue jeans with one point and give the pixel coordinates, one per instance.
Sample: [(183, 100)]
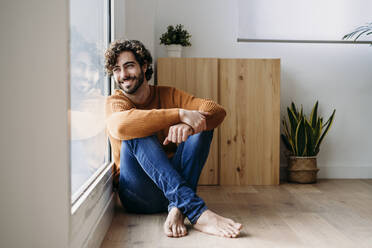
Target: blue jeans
[(150, 182)]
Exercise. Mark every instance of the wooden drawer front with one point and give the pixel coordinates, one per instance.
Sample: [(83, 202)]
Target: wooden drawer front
[(250, 134)]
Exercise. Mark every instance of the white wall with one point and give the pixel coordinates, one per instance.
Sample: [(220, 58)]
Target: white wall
[(34, 178), (338, 75), (140, 23)]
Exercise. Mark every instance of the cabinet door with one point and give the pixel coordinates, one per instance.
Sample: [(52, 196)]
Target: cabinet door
[(250, 133), (199, 77)]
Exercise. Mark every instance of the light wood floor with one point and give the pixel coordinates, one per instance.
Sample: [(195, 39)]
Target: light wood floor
[(330, 213)]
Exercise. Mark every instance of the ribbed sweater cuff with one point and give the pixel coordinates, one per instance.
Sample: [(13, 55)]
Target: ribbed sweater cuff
[(209, 106)]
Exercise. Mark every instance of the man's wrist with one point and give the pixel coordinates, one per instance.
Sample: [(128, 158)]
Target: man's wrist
[(192, 129), (180, 114)]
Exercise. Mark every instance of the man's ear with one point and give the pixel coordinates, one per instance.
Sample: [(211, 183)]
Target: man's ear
[(144, 68)]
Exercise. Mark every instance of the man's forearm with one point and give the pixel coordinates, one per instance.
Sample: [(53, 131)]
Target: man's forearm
[(135, 123)]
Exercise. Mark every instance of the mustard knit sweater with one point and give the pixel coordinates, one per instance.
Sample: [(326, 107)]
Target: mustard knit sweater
[(126, 121)]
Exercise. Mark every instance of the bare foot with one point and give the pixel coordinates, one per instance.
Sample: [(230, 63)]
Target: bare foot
[(212, 223), (174, 224)]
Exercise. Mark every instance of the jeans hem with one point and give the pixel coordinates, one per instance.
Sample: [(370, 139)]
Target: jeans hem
[(194, 219), (170, 206)]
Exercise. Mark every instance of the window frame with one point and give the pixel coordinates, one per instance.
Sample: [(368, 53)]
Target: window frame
[(107, 80), (92, 205)]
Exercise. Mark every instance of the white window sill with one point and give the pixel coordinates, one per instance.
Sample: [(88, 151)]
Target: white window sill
[(92, 212)]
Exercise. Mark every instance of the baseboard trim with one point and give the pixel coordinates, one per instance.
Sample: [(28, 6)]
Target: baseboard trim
[(337, 172)]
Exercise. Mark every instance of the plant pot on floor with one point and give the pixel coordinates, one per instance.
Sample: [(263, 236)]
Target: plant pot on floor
[(302, 138), (302, 169), (174, 51)]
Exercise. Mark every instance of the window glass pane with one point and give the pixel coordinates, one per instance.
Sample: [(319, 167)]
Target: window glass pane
[(87, 89)]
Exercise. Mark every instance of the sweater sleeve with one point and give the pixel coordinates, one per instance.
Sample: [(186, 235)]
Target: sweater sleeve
[(187, 101), (125, 122)]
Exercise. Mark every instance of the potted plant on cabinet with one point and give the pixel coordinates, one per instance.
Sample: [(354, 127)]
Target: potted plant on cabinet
[(174, 39), (302, 137)]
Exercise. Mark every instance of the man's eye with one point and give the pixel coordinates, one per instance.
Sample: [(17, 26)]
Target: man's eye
[(115, 69)]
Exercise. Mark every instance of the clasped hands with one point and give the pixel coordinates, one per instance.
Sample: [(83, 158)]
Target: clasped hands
[(192, 122)]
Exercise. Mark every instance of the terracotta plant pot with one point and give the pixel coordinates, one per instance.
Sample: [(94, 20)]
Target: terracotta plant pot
[(302, 169)]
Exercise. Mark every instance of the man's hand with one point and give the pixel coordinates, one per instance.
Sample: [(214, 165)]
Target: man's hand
[(195, 119), (178, 133)]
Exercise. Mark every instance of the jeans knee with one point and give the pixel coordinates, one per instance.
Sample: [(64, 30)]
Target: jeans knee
[(131, 142), (140, 139), (209, 133), (205, 136)]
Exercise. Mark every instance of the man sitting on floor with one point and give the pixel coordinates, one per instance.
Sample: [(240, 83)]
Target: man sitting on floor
[(160, 137)]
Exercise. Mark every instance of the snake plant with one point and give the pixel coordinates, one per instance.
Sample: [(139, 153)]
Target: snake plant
[(303, 136)]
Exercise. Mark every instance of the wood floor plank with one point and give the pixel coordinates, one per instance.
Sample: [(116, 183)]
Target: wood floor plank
[(330, 213), (314, 231), (357, 229)]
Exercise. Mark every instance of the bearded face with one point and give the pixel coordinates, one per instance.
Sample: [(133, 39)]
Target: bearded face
[(128, 73), (131, 84)]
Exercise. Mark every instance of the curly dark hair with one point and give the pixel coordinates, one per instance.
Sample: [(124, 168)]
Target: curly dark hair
[(140, 52)]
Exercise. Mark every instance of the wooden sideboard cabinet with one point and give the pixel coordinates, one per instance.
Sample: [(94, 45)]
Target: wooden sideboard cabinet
[(199, 77), (245, 149)]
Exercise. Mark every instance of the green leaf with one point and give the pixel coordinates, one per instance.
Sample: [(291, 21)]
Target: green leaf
[(359, 31), (289, 137), (310, 146), (325, 124), (330, 121), (292, 121), (302, 135), (286, 142), (301, 138), (314, 115), (317, 131), (285, 126), (294, 110), (176, 35), (360, 34)]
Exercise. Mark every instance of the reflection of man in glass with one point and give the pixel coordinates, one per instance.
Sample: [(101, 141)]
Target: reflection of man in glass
[(88, 138), (84, 74), (86, 71), (160, 138)]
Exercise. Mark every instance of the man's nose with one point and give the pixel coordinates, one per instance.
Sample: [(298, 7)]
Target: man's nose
[(123, 74)]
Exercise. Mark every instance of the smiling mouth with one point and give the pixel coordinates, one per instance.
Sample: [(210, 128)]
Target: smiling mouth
[(127, 81)]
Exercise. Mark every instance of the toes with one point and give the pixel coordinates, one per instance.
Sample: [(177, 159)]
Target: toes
[(179, 231), (183, 230), (168, 231), (235, 224), (221, 233), (235, 228), (226, 233), (234, 232), (238, 226), (174, 231), (230, 231)]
